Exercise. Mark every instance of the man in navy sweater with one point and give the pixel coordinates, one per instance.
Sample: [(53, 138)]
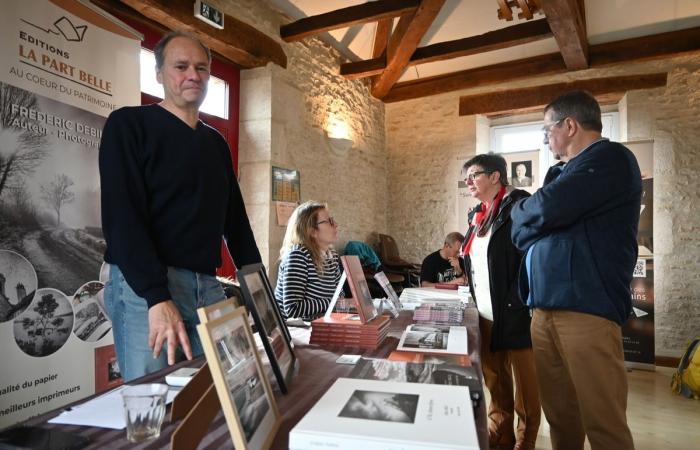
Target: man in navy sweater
[(579, 234), (169, 195)]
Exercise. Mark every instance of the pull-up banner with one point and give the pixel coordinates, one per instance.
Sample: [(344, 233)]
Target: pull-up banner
[(64, 66)]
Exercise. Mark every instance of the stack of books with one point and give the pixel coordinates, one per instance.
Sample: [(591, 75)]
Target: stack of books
[(447, 313), (347, 330)]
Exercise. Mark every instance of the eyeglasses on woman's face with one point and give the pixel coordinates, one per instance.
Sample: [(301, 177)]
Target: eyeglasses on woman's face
[(330, 221), (469, 178)]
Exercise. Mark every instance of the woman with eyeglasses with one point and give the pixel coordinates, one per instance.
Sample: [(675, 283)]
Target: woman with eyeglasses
[(504, 320), (309, 266)]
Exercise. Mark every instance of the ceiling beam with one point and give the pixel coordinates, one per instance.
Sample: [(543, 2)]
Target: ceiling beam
[(381, 37), (539, 96), (657, 46), (238, 42), (403, 42), (377, 64), (567, 20), (346, 17), (493, 40), (480, 76)]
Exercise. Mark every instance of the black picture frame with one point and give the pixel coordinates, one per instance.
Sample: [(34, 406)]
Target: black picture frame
[(269, 323)]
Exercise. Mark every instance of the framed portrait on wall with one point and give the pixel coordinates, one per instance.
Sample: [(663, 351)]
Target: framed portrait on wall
[(244, 393), (523, 169), (271, 328)]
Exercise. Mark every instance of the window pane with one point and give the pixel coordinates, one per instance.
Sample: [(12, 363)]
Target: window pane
[(215, 103)]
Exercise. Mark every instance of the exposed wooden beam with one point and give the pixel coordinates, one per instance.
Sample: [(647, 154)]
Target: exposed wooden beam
[(657, 46), (567, 21), (493, 40), (481, 76), (381, 37), (346, 17), (539, 96), (605, 99), (238, 42), (403, 43)]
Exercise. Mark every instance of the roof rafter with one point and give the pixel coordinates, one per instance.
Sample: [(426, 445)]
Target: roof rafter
[(238, 42), (509, 100), (403, 42), (656, 46), (493, 40), (567, 20), (346, 17)]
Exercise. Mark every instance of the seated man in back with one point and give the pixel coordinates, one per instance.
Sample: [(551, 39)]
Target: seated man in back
[(444, 265)]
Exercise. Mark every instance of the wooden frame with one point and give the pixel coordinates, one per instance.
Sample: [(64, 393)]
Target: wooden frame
[(222, 308), (270, 326), (243, 390)]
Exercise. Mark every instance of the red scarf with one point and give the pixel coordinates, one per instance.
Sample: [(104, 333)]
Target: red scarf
[(483, 219)]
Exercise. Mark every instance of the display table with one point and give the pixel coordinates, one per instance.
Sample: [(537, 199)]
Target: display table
[(317, 371)]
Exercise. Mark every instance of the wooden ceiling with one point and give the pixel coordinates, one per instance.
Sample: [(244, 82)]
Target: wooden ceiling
[(395, 51)]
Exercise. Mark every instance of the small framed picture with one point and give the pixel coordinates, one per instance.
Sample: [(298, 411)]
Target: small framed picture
[(107, 373), (269, 323), (243, 390), (359, 288), (523, 169), (211, 312)]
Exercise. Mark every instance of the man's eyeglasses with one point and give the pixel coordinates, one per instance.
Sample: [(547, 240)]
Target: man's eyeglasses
[(330, 221), (547, 129), (470, 177)]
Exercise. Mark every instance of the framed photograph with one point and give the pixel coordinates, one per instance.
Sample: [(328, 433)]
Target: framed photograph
[(211, 312), (243, 390), (393, 303), (107, 373), (359, 288), (523, 169), (269, 323)]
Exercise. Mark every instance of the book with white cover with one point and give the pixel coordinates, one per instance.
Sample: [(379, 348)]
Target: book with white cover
[(434, 339), (379, 415)]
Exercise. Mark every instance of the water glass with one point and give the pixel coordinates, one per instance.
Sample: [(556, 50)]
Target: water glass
[(144, 408)]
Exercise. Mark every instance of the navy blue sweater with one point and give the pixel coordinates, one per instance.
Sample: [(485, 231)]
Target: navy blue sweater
[(169, 194)]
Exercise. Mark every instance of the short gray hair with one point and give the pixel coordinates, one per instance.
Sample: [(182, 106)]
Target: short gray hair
[(159, 49), (579, 105)]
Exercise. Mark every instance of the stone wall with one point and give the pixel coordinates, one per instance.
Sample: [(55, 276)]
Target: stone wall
[(426, 137), (284, 116)]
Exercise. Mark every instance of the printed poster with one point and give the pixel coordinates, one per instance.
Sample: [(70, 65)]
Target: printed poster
[(63, 70)]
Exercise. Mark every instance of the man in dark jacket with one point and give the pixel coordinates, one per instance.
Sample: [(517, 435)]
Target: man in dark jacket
[(504, 320), (579, 234)]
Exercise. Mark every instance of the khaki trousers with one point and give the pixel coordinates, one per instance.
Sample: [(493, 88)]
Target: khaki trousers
[(499, 369), (582, 378)]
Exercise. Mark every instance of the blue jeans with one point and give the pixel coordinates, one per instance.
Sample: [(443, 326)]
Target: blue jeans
[(129, 315)]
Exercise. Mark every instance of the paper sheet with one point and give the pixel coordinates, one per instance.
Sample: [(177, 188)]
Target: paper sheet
[(105, 411)]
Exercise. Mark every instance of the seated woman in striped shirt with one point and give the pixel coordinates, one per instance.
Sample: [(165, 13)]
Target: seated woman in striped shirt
[(310, 268)]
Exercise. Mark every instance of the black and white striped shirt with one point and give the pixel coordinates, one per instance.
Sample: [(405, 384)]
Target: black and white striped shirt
[(301, 291)]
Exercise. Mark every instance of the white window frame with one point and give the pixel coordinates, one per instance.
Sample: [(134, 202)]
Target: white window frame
[(611, 130)]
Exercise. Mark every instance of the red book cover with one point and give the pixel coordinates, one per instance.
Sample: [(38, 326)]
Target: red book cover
[(340, 320), (359, 288)]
